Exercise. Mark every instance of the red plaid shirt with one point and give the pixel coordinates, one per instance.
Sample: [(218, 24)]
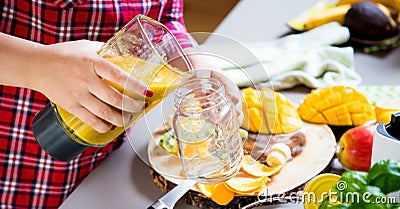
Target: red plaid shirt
[(29, 178)]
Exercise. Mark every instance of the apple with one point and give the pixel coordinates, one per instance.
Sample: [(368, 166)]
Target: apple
[(355, 148)]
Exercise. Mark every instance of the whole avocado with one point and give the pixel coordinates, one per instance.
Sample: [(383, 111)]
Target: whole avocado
[(367, 21)]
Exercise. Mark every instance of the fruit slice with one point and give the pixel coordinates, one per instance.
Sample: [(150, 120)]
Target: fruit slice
[(276, 158), (257, 169), (269, 112), (384, 111), (222, 195), (282, 148), (243, 183), (196, 149), (337, 105), (280, 114), (206, 189)]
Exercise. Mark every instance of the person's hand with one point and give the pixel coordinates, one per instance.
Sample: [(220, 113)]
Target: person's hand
[(70, 74), (205, 69), (231, 89)]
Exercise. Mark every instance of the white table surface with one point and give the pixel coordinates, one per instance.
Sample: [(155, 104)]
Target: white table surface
[(122, 181)]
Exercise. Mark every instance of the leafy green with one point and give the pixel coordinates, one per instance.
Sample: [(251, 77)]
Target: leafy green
[(350, 182), (385, 174), (326, 205), (340, 206), (369, 197), (362, 190)]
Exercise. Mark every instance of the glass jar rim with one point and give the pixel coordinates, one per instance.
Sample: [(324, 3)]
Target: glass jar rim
[(217, 92)]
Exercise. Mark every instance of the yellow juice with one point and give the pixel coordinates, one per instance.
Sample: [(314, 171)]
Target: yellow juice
[(162, 80)]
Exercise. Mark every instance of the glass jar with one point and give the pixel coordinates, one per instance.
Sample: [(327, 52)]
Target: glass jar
[(144, 48), (206, 127)]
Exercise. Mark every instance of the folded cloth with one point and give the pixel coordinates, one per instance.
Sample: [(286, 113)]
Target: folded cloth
[(383, 94), (301, 59)]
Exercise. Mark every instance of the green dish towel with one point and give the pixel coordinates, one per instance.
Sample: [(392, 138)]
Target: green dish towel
[(308, 59)]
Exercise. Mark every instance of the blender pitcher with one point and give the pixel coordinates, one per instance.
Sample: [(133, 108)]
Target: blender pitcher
[(144, 48)]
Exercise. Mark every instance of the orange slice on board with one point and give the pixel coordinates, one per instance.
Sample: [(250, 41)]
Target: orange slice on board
[(243, 183), (222, 195), (257, 169), (206, 189)]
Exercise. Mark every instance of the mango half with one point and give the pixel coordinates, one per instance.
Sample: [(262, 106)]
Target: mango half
[(338, 106), (268, 112)]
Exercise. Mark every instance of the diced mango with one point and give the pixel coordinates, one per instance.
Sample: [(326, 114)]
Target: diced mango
[(319, 118), (337, 105)]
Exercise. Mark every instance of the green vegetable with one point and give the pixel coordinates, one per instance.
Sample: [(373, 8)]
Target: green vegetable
[(324, 204), (350, 182), (385, 174), (362, 190), (327, 205), (340, 206), (370, 197), (396, 205)]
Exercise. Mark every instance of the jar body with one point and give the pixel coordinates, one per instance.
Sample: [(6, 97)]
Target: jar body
[(207, 130), (144, 48)]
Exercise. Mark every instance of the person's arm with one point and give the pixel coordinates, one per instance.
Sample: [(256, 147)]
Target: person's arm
[(70, 74), (15, 54), (172, 18)]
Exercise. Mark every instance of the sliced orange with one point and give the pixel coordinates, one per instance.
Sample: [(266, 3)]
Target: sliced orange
[(206, 189), (243, 182), (222, 195), (254, 192), (196, 149), (257, 169)]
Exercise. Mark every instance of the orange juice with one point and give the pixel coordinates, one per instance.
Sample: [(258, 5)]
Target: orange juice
[(162, 80)]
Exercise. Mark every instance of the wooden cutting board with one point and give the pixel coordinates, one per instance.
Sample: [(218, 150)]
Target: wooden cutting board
[(316, 156)]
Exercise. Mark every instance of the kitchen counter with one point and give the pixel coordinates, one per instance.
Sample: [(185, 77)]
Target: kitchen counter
[(122, 181)]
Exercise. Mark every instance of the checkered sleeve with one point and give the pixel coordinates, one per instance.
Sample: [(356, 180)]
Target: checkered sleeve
[(172, 18)]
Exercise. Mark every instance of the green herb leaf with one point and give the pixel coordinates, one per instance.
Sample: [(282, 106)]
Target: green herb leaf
[(370, 197), (340, 206), (324, 204), (385, 174), (350, 182)]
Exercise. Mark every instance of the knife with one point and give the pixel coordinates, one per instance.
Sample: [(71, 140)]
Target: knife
[(168, 200)]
